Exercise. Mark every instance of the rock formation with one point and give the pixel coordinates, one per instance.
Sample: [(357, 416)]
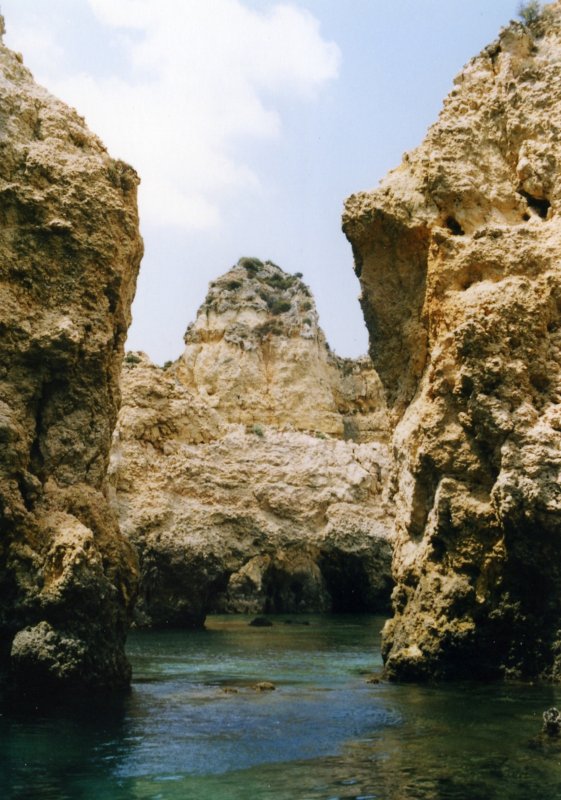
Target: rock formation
[(70, 251), (249, 473), (459, 256), (256, 354)]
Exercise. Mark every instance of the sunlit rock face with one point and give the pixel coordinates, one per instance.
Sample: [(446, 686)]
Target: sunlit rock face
[(69, 256), (459, 256), (250, 473), (257, 355)]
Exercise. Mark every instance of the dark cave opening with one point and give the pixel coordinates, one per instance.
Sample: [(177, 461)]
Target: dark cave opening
[(454, 226), (540, 204), (349, 586)]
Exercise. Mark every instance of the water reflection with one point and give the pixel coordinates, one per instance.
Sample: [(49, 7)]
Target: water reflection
[(66, 751), (465, 741), (323, 734)]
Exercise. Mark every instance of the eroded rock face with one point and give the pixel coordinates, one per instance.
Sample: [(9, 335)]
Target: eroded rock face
[(459, 253), (257, 355), (69, 256), (250, 473)]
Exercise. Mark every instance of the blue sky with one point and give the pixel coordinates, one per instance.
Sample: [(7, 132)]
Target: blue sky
[(250, 122)]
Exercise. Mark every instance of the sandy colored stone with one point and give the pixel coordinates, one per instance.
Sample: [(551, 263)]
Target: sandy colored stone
[(458, 253), (69, 255), (236, 493), (256, 354)]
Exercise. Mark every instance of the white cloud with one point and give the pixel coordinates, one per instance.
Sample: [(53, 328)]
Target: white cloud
[(204, 75), (35, 38)]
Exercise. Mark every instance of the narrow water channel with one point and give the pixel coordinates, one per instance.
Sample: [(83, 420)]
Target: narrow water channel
[(195, 728)]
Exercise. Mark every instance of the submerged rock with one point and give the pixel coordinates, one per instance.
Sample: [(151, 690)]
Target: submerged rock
[(552, 722), (459, 257), (69, 256), (250, 473)]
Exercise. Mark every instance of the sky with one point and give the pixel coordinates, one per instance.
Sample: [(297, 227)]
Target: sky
[(250, 122)]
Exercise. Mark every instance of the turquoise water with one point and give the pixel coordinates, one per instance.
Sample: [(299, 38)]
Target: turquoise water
[(194, 728)]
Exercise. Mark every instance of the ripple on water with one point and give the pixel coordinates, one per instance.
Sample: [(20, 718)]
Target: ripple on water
[(323, 734)]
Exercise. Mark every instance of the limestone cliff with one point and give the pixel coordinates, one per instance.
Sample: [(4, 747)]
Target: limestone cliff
[(249, 474), (256, 354), (69, 255), (459, 256)]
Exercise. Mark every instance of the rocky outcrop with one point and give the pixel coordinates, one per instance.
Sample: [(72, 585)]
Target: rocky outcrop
[(257, 355), (70, 250), (249, 474), (459, 253)]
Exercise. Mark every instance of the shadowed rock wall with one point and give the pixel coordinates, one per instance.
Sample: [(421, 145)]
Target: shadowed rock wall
[(69, 256)]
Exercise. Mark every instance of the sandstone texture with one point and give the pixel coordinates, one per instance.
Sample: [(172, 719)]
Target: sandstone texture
[(459, 256), (256, 354), (249, 474), (69, 256)]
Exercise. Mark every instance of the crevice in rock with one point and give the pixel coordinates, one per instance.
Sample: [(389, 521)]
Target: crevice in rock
[(493, 51), (422, 500), (36, 458), (43, 402), (26, 495)]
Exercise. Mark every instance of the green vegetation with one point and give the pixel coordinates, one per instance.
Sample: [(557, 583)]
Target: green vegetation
[(279, 282), (258, 430), (271, 327), (132, 358), (298, 275), (276, 305), (210, 304), (279, 306), (307, 321), (231, 285), (167, 364), (264, 295), (252, 265), (530, 11), (306, 305), (118, 172)]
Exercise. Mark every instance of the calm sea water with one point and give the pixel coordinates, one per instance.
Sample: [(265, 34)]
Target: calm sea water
[(324, 733)]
